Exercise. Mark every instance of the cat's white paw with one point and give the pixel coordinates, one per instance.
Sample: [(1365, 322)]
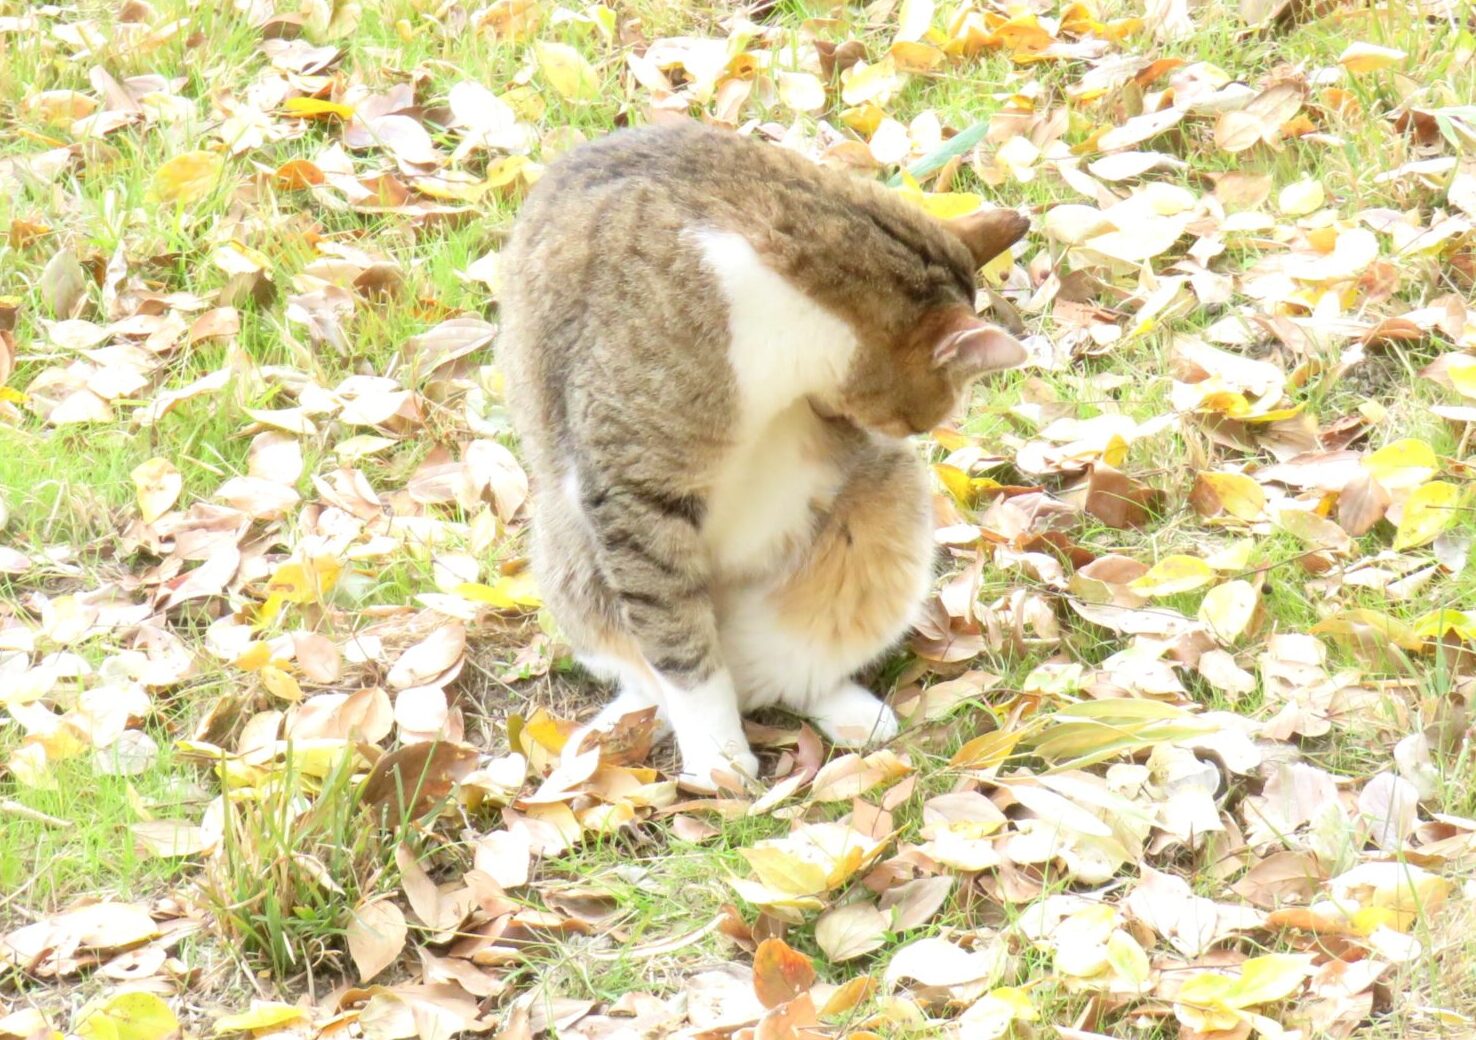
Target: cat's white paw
[(853, 716), (697, 770)]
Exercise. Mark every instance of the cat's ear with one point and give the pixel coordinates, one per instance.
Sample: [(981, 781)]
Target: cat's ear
[(974, 347), (989, 232)]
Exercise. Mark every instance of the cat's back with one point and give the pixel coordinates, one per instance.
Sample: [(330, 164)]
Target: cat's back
[(683, 163), (605, 302)]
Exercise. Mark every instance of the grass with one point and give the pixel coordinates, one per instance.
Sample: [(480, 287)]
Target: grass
[(75, 839), (69, 495)]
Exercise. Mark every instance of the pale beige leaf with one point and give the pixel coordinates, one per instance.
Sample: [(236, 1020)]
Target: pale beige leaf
[(429, 659), (376, 935), (1228, 609), (1301, 197), (158, 484), (848, 932)]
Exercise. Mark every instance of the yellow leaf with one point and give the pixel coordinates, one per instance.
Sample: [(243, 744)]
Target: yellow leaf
[(1201, 1003), (567, 71), (1228, 609), (1127, 957), (264, 1015), (785, 873), (1237, 494), (279, 684), (158, 485), (511, 168), (1275, 976), (1317, 531), (254, 656), (1233, 557), (268, 611), (988, 749), (1362, 624), (1359, 58), (1462, 373), (1403, 463), (783, 905), (546, 731), (130, 1015), (1427, 512), (189, 177), (308, 582), (1437, 623), (316, 108), (1301, 198), (864, 119), (945, 205), (31, 1023), (512, 593), (1172, 575), (876, 83), (915, 57), (955, 480)]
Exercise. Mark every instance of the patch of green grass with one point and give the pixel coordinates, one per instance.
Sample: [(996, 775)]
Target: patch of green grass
[(298, 855), (74, 839)]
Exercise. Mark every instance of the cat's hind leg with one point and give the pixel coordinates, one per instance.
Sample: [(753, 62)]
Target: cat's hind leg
[(652, 559), (565, 559), (798, 642)]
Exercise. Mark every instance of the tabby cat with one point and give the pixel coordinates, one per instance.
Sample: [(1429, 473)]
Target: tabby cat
[(715, 352)]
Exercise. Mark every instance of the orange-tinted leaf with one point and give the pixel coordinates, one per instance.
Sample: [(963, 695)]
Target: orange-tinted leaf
[(780, 973)]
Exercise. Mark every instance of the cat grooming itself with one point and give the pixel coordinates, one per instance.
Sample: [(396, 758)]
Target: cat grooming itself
[(715, 352)]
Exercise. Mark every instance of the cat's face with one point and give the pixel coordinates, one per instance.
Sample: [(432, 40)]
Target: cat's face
[(918, 380), (919, 365)]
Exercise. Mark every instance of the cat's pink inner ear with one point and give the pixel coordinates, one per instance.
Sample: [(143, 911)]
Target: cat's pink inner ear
[(979, 347)]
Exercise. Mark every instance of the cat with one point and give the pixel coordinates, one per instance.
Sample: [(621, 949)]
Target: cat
[(714, 353)]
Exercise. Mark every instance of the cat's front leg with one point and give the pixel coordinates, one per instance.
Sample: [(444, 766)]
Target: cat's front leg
[(652, 557), (709, 730)]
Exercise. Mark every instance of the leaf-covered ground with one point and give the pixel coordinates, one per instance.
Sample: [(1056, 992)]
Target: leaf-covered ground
[(1186, 753)]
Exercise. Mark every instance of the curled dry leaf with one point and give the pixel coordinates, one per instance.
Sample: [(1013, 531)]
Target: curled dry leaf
[(430, 659)]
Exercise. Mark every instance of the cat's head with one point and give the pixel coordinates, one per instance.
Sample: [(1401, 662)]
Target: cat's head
[(925, 345)]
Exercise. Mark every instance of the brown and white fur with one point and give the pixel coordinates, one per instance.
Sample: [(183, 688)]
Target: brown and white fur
[(715, 352)]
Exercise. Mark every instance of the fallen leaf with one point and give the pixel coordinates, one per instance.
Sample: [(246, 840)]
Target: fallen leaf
[(376, 936), (1173, 575), (158, 485), (848, 932), (1428, 511), (566, 70), (188, 178), (1360, 58), (129, 1015), (780, 973)]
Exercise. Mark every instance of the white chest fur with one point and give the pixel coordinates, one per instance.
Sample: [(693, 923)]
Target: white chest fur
[(783, 347)]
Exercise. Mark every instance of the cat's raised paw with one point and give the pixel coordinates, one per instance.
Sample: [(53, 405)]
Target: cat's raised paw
[(852, 716)]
